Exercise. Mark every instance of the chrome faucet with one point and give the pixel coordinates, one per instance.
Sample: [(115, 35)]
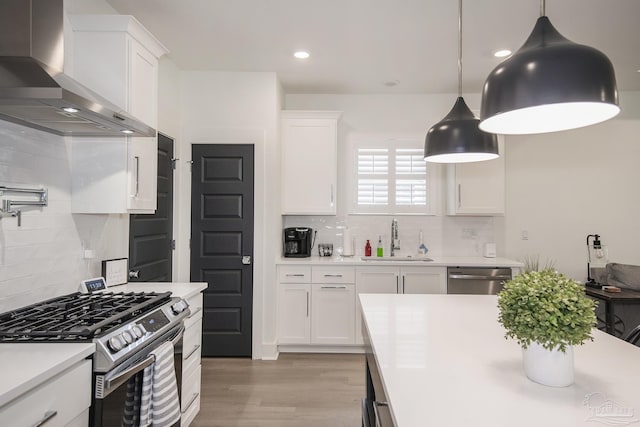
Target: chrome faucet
[(395, 241)]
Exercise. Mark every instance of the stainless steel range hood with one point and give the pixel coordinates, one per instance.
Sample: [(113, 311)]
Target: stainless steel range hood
[(35, 92)]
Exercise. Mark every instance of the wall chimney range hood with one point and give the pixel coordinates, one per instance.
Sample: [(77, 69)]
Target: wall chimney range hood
[(35, 92)]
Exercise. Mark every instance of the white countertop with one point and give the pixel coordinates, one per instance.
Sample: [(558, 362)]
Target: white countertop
[(183, 290), (444, 361), (437, 262), (25, 366)]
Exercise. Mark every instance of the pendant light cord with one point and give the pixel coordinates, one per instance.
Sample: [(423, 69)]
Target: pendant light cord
[(543, 8), (459, 48)]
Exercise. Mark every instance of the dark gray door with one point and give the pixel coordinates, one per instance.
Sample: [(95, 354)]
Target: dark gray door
[(151, 241), (222, 244)]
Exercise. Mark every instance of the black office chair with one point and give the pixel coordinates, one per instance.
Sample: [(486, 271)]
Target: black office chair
[(634, 336)]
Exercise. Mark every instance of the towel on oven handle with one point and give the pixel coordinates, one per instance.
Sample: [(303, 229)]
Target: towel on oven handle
[(159, 402)]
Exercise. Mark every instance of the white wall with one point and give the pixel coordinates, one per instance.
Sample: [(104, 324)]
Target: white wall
[(563, 186), (241, 108), (393, 116)]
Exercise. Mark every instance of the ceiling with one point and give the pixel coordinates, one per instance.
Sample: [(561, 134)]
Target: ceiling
[(364, 46)]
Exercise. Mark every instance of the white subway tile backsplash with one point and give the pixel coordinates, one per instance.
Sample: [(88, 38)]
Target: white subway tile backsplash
[(43, 258)]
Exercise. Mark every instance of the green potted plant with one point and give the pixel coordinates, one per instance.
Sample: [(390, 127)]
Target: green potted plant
[(547, 313)]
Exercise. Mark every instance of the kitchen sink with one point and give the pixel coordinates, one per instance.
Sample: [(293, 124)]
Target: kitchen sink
[(396, 258)]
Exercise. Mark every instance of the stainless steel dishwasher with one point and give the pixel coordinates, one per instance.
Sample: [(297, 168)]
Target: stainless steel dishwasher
[(476, 280)]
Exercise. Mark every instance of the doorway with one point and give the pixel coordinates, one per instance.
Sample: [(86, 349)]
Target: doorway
[(151, 243), (222, 234)]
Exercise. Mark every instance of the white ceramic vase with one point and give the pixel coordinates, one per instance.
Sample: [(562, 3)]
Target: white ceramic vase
[(548, 367)]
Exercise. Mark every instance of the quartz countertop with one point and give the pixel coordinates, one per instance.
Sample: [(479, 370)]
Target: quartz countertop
[(183, 290), (25, 366), (444, 361), (437, 261)]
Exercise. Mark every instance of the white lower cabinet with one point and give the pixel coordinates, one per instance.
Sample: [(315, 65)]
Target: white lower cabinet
[(63, 400), (333, 313), (322, 312), (191, 361), (402, 280), (294, 309)]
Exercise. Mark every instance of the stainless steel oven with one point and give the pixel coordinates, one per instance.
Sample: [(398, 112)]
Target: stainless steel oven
[(127, 329), (110, 388)]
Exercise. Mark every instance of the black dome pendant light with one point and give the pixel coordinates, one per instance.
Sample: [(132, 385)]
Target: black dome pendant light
[(550, 84), (457, 138)]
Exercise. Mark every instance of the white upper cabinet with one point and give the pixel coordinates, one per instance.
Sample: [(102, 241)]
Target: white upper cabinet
[(477, 188), (309, 162), (115, 56)]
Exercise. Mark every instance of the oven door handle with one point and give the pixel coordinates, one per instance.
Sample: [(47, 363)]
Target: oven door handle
[(122, 377)]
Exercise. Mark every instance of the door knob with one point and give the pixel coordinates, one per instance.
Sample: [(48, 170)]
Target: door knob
[(134, 274), (246, 260)]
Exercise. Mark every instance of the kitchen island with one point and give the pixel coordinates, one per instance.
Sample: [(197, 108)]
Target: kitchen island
[(442, 360)]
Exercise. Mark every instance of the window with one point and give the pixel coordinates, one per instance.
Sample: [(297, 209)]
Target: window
[(392, 179)]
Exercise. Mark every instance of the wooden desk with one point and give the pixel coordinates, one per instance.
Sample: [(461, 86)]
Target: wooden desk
[(625, 296)]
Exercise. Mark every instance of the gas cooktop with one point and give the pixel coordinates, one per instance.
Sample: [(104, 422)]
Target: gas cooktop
[(77, 317)]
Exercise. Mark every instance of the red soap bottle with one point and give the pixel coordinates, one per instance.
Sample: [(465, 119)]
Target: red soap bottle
[(367, 249)]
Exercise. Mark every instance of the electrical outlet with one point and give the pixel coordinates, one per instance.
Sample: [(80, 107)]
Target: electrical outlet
[(524, 235)]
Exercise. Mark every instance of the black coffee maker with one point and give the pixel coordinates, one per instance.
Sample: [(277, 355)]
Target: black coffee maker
[(297, 242)]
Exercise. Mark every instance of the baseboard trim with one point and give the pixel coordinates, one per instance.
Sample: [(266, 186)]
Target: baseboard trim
[(270, 352), (354, 349)]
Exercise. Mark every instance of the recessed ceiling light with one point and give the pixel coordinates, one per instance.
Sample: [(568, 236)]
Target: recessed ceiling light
[(70, 109), (127, 131), (301, 54), (502, 53)]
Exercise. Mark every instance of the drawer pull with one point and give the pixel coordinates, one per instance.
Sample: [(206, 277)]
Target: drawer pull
[(197, 310), (47, 416), (193, 399), (333, 275), (192, 352), (333, 287), (294, 275)]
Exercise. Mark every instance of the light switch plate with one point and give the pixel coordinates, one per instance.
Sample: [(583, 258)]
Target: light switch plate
[(115, 271)]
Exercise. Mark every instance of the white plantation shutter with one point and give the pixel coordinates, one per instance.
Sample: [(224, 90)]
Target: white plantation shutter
[(391, 180), (411, 183)]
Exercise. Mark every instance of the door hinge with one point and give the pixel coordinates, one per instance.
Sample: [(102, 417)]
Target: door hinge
[(174, 163), (173, 244), (191, 164)]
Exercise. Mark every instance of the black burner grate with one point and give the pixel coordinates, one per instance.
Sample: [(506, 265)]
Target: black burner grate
[(76, 317)]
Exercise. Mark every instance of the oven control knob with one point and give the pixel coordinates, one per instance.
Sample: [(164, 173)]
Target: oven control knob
[(115, 344), (179, 307), (127, 337), (137, 332)]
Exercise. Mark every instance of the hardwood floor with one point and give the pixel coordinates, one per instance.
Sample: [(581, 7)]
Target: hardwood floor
[(297, 390)]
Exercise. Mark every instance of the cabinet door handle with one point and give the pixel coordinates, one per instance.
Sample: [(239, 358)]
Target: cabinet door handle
[(193, 399), (192, 352), (294, 275), (333, 275), (333, 287), (403, 283), (47, 416), (331, 194), (397, 285), (459, 195), (196, 311), (307, 303), (137, 159)]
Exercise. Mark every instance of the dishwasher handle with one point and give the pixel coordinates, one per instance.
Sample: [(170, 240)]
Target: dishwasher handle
[(477, 277)]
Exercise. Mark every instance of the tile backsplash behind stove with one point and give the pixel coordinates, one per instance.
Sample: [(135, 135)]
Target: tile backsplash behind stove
[(43, 258), (443, 235)]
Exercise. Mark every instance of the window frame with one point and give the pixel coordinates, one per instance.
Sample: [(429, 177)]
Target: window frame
[(432, 178)]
